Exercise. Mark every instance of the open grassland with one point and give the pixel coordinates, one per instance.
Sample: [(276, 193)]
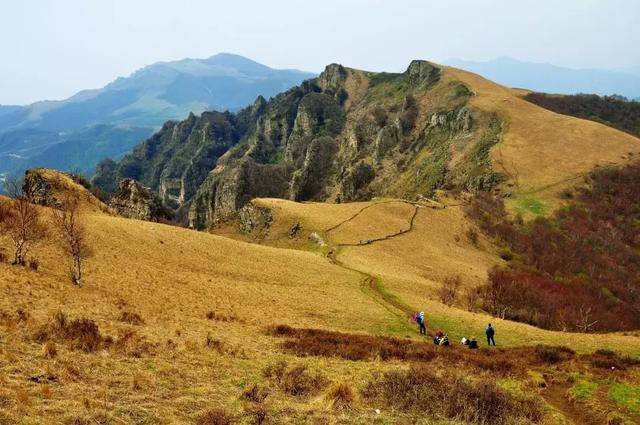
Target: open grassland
[(185, 328), (410, 268), (541, 151)]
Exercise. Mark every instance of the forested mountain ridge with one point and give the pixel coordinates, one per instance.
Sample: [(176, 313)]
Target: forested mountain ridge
[(76, 133)]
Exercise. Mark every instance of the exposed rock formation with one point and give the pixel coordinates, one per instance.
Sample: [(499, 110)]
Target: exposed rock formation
[(252, 217), (133, 200), (40, 189)]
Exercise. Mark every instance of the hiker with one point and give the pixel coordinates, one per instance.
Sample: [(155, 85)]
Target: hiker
[(420, 320), (473, 344), (444, 340), (464, 341), (438, 338), (490, 332)]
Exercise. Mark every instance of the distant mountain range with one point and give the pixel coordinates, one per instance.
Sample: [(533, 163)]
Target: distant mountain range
[(77, 132), (549, 78)]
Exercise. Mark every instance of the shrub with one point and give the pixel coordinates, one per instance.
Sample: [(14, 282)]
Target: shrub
[(471, 299), (34, 264), (380, 116), (448, 291), (577, 270), (421, 391), (214, 344), (80, 334), (258, 413), (472, 236), (255, 394), (552, 355), (317, 342), (341, 395), (215, 417), (295, 380)]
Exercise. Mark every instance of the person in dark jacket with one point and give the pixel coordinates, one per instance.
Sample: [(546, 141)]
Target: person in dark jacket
[(490, 332)]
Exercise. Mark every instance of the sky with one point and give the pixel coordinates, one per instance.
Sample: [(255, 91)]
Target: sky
[(50, 49)]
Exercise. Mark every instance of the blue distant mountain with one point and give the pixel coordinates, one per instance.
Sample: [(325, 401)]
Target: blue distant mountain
[(77, 132), (555, 79)]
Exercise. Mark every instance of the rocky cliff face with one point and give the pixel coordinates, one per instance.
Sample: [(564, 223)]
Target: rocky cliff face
[(347, 135), (133, 200), (174, 161)]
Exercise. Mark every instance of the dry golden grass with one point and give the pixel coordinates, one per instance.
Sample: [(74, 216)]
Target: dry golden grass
[(172, 277), (543, 149), (413, 265)]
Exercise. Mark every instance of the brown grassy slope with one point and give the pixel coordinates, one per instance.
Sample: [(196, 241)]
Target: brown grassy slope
[(63, 186), (412, 266), (541, 147), (172, 277)]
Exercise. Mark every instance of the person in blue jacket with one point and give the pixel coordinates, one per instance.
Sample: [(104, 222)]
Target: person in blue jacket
[(490, 332), (421, 323)]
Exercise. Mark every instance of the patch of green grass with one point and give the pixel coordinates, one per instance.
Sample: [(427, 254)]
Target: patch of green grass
[(626, 396), (382, 77), (512, 386), (527, 206), (583, 389)]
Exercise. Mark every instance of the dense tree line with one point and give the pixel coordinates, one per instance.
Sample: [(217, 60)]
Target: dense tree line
[(614, 111), (577, 270)]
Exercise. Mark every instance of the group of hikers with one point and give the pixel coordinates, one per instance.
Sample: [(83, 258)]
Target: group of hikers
[(441, 338)]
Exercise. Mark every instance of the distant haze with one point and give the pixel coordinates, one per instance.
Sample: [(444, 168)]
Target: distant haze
[(553, 79), (54, 48)]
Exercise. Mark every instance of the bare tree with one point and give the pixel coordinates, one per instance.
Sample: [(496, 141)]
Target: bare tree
[(448, 291), (71, 234), (21, 221)]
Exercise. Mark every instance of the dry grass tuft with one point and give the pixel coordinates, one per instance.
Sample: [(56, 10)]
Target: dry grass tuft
[(421, 391), (607, 359), (255, 394), (84, 335), (214, 344), (552, 355), (131, 318), (34, 264), (45, 391), (215, 417), (79, 334), (295, 380), (131, 344), (341, 395), (219, 317), (49, 350), (23, 400), (258, 413)]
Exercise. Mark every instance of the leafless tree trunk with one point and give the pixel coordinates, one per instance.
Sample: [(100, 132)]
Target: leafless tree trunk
[(71, 234), (21, 221)]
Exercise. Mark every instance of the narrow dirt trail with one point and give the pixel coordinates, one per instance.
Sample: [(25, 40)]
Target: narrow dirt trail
[(556, 393), (556, 396), (386, 237), (369, 283)]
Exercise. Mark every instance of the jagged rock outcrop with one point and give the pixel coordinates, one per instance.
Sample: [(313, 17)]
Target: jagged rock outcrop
[(133, 200), (40, 189), (175, 160), (346, 135), (254, 218)]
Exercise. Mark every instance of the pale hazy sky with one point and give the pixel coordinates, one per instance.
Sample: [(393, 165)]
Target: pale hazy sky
[(49, 49)]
